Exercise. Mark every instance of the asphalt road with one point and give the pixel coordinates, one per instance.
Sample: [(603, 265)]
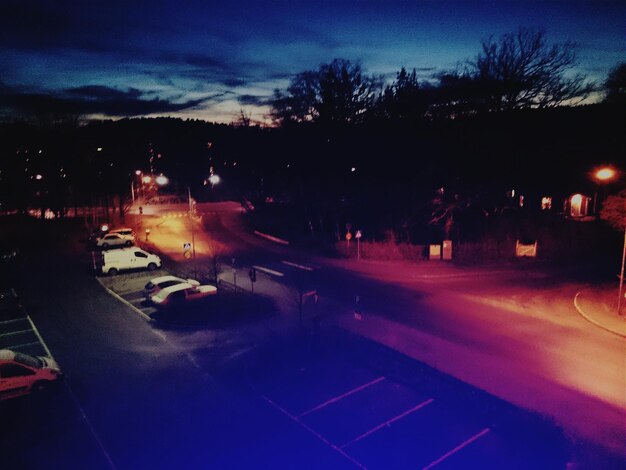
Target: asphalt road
[(255, 391)]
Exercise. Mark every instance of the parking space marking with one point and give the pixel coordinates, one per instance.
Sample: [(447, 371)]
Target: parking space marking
[(142, 314), (388, 422), (268, 271), (299, 266), (45, 346), (315, 433), (25, 345), (457, 448), (16, 320), (92, 430), (344, 395), (15, 333)]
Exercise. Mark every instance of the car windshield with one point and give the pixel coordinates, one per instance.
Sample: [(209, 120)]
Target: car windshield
[(161, 295), (28, 360)]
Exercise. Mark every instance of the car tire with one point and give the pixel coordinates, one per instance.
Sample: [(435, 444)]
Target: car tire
[(112, 272), (105, 246), (152, 266), (128, 243)]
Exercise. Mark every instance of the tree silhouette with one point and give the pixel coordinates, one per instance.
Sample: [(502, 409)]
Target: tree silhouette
[(404, 100), (336, 94), (518, 71), (615, 85)]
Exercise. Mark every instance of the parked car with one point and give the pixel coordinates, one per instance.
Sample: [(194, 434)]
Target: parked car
[(158, 283), (128, 258), (114, 239), (180, 294), (125, 231), (21, 374)]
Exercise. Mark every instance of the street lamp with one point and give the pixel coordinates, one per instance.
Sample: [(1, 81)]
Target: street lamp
[(606, 175)]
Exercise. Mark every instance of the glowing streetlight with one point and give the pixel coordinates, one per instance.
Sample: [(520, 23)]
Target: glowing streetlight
[(605, 174), (161, 180), (214, 179), (146, 179)]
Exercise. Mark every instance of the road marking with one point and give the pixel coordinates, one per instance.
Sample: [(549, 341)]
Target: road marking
[(271, 238), (315, 433), (90, 427), (268, 271), (299, 266), (457, 448), (142, 314), (15, 333), (337, 398), (12, 321), (39, 336), (388, 422), (25, 345)]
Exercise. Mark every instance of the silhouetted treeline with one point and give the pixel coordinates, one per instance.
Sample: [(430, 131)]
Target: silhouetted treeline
[(380, 176)]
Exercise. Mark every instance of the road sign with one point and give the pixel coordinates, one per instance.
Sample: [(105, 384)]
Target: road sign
[(358, 234), (187, 246), (348, 236)]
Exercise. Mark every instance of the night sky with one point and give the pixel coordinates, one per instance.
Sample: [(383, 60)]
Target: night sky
[(209, 60)]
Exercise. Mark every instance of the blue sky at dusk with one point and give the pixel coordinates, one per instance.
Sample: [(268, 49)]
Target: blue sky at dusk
[(209, 60)]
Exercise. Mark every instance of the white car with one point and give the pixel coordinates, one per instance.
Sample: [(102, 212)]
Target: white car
[(21, 374), (158, 283), (180, 294), (114, 239)]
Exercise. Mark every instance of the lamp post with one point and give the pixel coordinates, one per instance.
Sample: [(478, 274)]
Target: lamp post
[(606, 175), (193, 233)]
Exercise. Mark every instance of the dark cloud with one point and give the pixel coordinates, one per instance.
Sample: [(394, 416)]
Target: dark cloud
[(90, 100), (253, 100)]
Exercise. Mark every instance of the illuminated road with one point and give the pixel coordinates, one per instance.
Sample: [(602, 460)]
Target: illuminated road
[(257, 387), (514, 333)]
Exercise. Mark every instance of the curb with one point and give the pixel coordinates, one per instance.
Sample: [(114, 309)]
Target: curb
[(591, 320)]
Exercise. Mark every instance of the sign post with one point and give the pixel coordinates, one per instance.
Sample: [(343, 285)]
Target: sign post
[(358, 244)]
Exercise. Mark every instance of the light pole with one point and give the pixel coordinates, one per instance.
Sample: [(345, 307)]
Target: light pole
[(193, 240), (606, 175), (621, 275)]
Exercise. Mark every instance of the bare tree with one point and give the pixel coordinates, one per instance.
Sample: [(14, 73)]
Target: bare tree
[(521, 70)]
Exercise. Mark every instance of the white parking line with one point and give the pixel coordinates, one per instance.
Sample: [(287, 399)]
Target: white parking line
[(299, 266), (457, 448), (337, 398), (388, 422), (142, 314), (268, 271), (12, 321), (315, 433), (25, 345), (92, 430), (15, 333), (39, 336)]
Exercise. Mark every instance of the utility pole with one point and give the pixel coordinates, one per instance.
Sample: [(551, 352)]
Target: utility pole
[(193, 233)]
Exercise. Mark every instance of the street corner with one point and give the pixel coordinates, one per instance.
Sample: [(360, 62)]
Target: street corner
[(598, 305)]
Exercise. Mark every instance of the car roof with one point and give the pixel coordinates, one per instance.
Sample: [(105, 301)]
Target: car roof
[(177, 287), (6, 355), (160, 279)]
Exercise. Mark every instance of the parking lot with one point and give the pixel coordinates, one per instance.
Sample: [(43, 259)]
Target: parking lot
[(17, 331), (377, 409), (221, 310)]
